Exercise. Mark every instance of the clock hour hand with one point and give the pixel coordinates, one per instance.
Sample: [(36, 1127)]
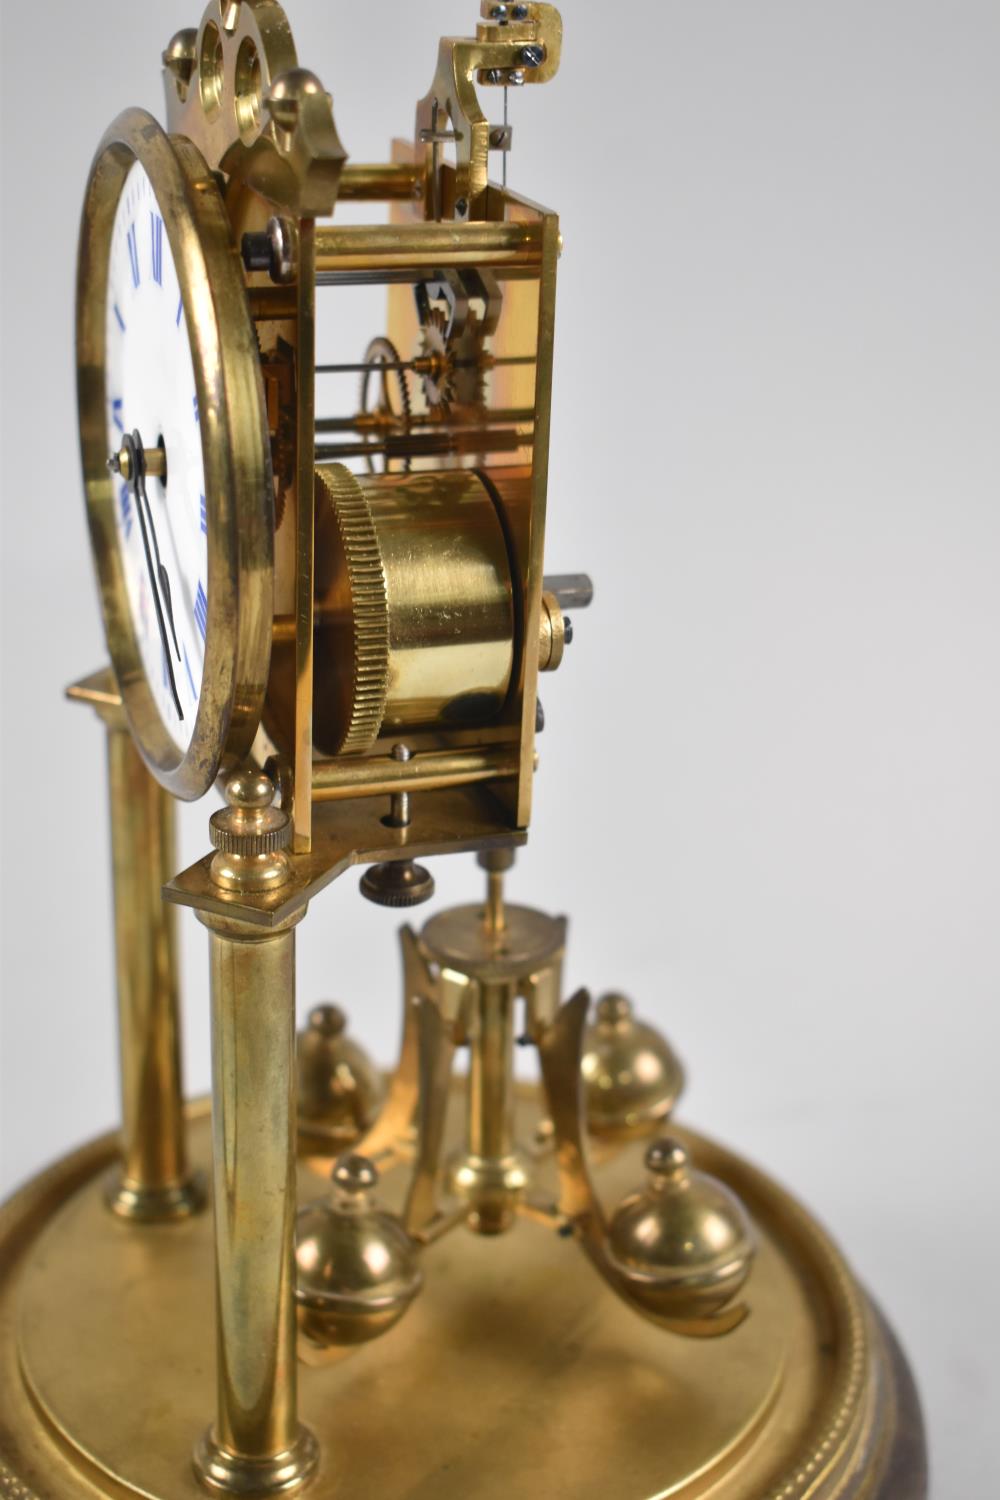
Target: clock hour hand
[(132, 471)]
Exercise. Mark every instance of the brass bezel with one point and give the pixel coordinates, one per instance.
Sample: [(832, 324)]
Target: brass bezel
[(235, 447)]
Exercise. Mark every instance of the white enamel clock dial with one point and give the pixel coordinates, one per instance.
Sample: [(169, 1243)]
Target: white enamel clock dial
[(150, 389)]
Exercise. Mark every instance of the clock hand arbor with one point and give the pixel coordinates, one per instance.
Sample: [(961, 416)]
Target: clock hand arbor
[(133, 463)]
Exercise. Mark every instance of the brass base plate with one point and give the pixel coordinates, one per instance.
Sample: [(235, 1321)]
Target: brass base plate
[(516, 1371)]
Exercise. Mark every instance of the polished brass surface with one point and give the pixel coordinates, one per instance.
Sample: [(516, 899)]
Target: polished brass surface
[(380, 182), (352, 675), (234, 87), (684, 1230), (528, 942), (578, 1397), (250, 837), (457, 820), (304, 593), (484, 959), (234, 447), (551, 634), (152, 1181), (375, 641), (631, 1077), (154, 462), (500, 247), (397, 883), (663, 1293), (450, 111), (412, 633), (357, 1267), (429, 770), (490, 1173), (256, 1444), (340, 1090)]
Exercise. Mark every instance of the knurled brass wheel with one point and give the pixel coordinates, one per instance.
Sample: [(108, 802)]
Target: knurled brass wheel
[(360, 613)]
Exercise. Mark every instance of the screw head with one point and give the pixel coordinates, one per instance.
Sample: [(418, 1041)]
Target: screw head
[(515, 77), (493, 75), (520, 12), (532, 56)]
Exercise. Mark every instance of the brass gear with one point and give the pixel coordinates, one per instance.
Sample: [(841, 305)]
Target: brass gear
[(362, 682), (382, 351), (439, 381), (470, 364)]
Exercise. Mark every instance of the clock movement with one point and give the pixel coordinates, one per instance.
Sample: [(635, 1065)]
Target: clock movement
[(440, 1281)]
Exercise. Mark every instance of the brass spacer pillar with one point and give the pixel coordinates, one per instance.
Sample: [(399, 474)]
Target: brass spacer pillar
[(256, 1445), (153, 1181)]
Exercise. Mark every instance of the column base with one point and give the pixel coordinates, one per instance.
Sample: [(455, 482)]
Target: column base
[(225, 1473), (155, 1205)]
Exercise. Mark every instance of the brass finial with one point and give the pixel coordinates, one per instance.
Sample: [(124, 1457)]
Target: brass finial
[(632, 1078), (284, 99), (179, 58), (357, 1266), (684, 1235), (340, 1088), (250, 836)]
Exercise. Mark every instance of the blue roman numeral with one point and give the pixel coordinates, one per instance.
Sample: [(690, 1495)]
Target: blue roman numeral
[(125, 508), (118, 315), (194, 402), (201, 609), (187, 665), (116, 413), (156, 237), (204, 514), (133, 256), (180, 309)]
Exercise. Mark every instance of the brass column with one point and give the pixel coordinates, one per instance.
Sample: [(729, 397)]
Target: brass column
[(153, 1181), (256, 1445), (491, 1098)]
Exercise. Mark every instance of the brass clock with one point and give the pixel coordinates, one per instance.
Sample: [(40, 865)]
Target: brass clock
[(175, 450)]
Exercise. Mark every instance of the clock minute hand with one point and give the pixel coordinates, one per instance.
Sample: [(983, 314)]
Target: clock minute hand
[(141, 496), (132, 449), (161, 572)]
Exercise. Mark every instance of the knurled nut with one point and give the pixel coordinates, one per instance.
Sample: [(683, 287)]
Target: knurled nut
[(253, 832), (369, 604)]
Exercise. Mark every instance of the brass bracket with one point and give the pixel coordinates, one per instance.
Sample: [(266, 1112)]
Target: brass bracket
[(503, 51), (234, 87)]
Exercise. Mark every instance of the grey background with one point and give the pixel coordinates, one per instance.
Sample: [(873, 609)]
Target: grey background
[(768, 788)]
